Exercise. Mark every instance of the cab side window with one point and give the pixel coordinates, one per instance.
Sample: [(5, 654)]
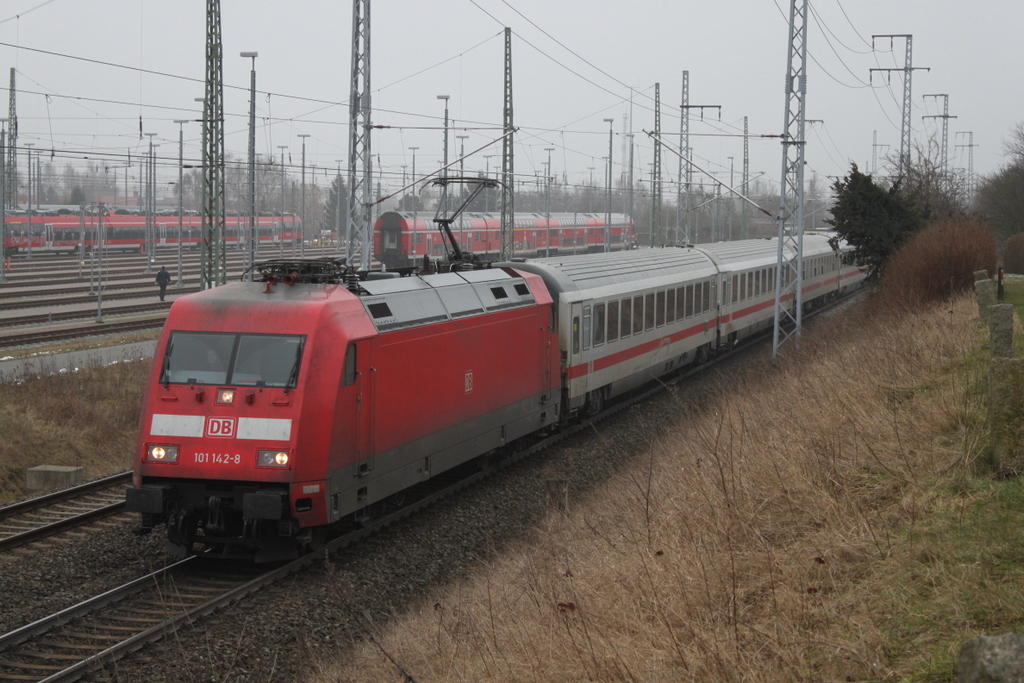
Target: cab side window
[(350, 366)]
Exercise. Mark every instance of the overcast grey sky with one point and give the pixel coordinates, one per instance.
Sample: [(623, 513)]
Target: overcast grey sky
[(735, 51)]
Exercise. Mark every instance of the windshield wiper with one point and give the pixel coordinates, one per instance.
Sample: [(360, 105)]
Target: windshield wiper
[(167, 366), (293, 376)]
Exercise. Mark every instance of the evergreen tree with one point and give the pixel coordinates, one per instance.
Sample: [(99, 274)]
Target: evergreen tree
[(875, 221)]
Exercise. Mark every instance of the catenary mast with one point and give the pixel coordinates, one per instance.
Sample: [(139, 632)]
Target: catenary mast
[(360, 163), (508, 196), (214, 256), (789, 270)]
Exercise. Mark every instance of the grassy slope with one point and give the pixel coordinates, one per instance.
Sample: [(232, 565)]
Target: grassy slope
[(823, 522), (88, 418)]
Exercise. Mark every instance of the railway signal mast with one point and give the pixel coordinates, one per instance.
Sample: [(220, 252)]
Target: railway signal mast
[(360, 164), (789, 269)]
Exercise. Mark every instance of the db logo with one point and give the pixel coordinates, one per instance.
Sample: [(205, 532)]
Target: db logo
[(220, 427), (469, 381)]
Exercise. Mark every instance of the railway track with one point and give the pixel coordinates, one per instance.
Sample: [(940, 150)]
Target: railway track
[(44, 516), (58, 316), (108, 295), (85, 330)]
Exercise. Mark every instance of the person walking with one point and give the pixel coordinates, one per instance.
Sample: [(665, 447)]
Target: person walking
[(163, 278)]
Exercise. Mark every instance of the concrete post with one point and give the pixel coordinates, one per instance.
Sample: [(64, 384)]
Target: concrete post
[(1005, 398), (980, 275), (1000, 325), (986, 293), (47, 477)]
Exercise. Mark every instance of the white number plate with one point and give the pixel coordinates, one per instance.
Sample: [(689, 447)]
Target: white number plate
[(219, 458)]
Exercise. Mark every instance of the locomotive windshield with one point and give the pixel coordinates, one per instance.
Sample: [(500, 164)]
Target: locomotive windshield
[(258, 360)]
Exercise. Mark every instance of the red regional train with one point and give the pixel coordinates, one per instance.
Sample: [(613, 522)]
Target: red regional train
[(276, 409), (401, 241), (67, 232)]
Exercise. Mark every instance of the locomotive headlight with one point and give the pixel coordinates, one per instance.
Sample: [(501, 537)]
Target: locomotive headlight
[(162, 454), (272, 459), (226, 396)]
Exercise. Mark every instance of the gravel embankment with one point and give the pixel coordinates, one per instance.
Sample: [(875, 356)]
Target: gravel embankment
[(40, 579)]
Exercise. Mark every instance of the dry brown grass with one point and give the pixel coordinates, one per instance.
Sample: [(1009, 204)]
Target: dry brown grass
[(786, 533), (88, 418)]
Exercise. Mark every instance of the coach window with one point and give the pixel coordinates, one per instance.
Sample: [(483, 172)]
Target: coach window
[(689, 301), (613, 321), (638, 314), (598, 324), (706, 297), (670, 307), (680, 303), (586, 327), (735, 289), (575, 335), (660, 309), (627, 317), (649, 317)]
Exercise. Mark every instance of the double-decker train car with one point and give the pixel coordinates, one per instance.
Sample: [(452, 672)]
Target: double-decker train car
[(67, 232), (276, 409), (402, 239)]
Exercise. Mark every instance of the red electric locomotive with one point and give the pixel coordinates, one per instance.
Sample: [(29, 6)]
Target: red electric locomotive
[(275, 408)]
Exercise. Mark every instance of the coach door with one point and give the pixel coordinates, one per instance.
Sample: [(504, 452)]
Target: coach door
[(577, 368), (48, 227)]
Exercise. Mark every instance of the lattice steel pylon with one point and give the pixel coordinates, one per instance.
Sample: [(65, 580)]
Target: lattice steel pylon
[(656, 172), (360, 163), (11, 176), (908, 72), (508, 195), (214, 256), (746, 178), (790, 266), (683, 188), (945, 116)]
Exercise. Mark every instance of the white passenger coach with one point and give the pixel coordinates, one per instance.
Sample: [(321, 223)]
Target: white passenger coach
[(627, 317)]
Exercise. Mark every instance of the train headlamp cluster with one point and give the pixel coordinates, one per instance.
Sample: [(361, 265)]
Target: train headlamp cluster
[(272, 459), (162, 454), (225, 396)]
